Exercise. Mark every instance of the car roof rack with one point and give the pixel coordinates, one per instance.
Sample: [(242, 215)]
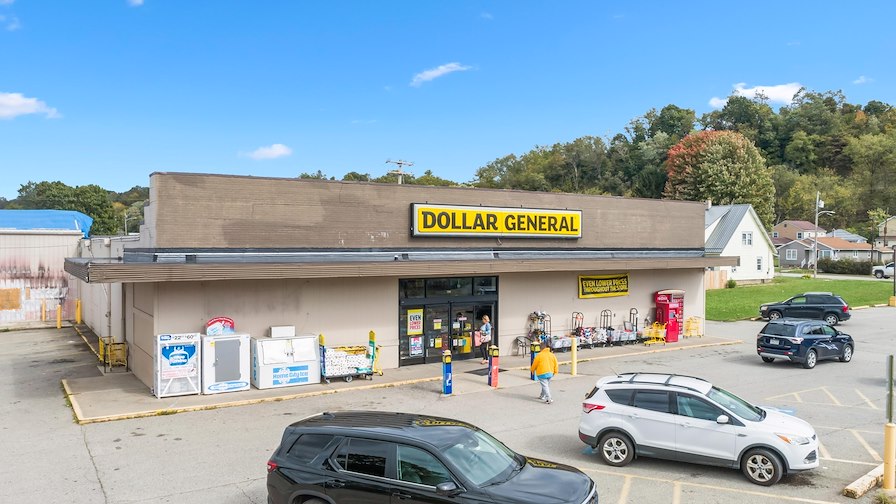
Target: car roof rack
[(818, 293), (634, 375)]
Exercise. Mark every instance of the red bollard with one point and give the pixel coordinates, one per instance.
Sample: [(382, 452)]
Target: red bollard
[(493, 366)]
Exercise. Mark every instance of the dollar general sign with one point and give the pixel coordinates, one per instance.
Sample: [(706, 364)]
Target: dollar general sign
[(477, 221)]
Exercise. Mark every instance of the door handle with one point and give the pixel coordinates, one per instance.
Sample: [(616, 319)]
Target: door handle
[(401, 495), (336, 484)]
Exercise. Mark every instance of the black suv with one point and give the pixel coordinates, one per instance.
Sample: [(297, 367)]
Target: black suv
[(380, 458), (811, 305)]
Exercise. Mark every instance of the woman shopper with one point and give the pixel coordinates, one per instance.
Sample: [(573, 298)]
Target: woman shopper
[(485, 338), (544, 367)]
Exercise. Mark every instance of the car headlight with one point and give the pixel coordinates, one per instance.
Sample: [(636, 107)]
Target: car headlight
[(793, 439)]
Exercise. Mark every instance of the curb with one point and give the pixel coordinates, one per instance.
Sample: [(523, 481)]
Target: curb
[(246, 402)]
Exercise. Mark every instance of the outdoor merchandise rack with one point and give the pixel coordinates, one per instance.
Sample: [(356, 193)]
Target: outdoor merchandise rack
[(347, 362)]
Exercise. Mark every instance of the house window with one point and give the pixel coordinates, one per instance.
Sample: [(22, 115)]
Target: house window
[(791, 254), (855, 254), (799, 236), (747, 238), (774, 234), (758, 264)]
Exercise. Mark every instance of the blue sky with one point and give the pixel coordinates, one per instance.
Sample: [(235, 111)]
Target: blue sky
[(107, 92)]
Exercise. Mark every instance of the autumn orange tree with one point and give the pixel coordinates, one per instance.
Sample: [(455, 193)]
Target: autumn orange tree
[(722, 166)]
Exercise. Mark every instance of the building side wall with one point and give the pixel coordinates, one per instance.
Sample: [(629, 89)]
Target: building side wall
[(748, 254), (196, 210), (140, 300), (33, 281)]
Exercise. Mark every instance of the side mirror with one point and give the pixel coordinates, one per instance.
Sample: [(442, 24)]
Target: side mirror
[(448, 488), (723, 419)]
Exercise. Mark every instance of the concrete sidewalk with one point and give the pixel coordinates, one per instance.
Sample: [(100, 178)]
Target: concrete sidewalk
[(119, 395)]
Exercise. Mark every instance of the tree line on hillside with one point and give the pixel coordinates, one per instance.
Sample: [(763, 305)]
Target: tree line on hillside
[(745, 152), (111, 211)]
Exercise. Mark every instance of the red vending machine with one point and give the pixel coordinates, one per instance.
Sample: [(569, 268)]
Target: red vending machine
[(669, 311)]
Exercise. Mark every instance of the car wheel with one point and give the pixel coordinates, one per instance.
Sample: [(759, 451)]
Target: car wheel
[(762, 467), (768, 359), (811, 359), (846, 356), (314, 501), (831, 318), (616, 449), (878, 274), (774, 315)]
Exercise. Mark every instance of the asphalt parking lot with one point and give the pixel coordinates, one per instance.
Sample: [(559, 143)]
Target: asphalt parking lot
[(219, 455)]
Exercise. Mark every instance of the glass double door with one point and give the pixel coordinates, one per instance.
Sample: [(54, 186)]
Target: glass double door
[(444, 326)]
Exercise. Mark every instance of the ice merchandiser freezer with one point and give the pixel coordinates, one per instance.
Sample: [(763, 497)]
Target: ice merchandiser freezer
[(177, 370), (284, 362), (225, 363)]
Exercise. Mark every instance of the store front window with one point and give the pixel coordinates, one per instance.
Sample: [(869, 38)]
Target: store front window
[(438, 314)]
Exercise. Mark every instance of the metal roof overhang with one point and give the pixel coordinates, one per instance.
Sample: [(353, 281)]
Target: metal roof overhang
[(399, 265)]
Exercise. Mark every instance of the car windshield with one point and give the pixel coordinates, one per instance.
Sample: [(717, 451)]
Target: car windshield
[(481, 458), (736, 405)]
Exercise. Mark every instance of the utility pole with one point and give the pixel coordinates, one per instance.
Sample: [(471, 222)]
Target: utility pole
[(399, 171)]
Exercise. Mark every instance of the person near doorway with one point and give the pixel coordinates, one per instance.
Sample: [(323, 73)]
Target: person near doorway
[(485, 338), (544, 367)]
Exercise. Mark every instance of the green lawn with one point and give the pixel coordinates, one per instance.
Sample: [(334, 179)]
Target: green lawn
[(742, 302)]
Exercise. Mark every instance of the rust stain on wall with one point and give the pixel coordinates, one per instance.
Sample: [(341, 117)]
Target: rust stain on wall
[(25, 292)]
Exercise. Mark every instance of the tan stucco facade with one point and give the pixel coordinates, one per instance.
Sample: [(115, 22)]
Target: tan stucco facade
[(180, 281)]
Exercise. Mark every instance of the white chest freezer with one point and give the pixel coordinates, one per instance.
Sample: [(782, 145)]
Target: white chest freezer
[(225, 363), (176, 364), (284, 362)]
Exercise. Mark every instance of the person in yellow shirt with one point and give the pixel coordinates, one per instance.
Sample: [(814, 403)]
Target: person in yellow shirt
[(545, 367)]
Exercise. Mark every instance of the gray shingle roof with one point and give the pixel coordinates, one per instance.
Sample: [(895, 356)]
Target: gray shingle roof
[(729, 217)]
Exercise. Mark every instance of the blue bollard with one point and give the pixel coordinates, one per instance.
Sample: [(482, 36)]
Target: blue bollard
[(446, 372), (534, 348)]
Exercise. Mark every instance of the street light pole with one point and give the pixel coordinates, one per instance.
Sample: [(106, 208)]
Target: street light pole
[(818, 204), (815, 236)]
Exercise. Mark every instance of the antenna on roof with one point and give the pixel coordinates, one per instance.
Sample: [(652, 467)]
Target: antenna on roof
[(399, 171)]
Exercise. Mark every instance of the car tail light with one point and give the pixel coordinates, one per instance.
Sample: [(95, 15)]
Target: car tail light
[(272, 466), (845, 308), (588, 408), (795, 341)]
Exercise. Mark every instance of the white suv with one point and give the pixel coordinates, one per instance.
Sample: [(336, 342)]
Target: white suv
[(688, 419)]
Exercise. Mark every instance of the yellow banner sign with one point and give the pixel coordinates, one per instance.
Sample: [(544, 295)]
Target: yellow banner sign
[(476, 221), (594, 286), (415, 321)]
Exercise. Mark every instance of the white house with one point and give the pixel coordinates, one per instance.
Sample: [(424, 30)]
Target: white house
[(736, 231)]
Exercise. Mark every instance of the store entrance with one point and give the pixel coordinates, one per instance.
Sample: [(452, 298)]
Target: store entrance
[(428, 327)]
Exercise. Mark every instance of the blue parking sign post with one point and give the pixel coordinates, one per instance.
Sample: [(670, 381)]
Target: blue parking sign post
[(446, 372)]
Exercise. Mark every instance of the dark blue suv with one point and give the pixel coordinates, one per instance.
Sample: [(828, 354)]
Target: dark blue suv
[(803, 341)]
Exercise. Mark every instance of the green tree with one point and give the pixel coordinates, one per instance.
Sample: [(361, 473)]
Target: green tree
[(356, 177), (673, 121), (431, 180), (319, 175), (874, 170), (91, 200), (722, 166)]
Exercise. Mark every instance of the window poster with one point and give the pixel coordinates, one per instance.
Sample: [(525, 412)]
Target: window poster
[(415, 321)]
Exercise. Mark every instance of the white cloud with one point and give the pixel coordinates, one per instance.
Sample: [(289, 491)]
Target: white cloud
[(15, 104), (863, 80), (6, 2), (780, 93), (434, 73), (10, 23), (272, 152), (487, 15), (135, 3)]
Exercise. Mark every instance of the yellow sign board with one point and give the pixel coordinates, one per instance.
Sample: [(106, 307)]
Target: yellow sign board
[(478, 221), (595, 286), (415, 321)]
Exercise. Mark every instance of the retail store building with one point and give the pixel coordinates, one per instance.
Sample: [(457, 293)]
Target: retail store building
[(417, 265)]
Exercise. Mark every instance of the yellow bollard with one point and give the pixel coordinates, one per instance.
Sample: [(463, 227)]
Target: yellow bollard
[(573, 347), (320, 339), (889, 456), (43, 310), (77, 311), (58, 316)]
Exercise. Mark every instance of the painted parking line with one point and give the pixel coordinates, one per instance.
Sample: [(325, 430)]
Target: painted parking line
[(868, 447), (868, 401), (823, 451), (833, 399), (676, 492), (626, 487)]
